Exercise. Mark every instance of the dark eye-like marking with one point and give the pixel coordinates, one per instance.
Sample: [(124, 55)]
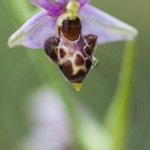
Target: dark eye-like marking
[(88, 62), (79, 60), (66, 68), (50, 47), (62, 53)]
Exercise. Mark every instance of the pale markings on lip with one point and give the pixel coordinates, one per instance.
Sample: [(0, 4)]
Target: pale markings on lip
[(72, 59), (76, 68), (84, 48), (62, 60), (71, 55)]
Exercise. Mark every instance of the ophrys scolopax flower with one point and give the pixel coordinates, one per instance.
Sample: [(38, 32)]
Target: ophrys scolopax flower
[(68, 31)]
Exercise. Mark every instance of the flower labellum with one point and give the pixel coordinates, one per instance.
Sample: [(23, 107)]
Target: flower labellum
[(68, 31), (71, 51)]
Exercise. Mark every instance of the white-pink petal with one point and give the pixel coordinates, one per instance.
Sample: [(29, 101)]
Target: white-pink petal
[(105, 26), (34, 32)]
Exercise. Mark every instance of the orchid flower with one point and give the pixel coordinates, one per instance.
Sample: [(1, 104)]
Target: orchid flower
[(68, 31)]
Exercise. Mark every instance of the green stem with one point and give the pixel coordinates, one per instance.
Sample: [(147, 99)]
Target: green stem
[(117, 115)]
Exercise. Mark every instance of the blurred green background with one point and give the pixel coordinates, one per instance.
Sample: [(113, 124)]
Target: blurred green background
[(19, 78)]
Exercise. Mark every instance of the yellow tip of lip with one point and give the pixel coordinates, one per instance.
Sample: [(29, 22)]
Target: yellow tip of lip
[(77, 86)]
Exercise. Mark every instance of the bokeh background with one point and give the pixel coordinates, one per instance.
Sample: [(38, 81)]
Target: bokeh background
[(19, 78)]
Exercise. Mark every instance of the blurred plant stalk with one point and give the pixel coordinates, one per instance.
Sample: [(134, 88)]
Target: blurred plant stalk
[(117, 116), (116, 121)]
